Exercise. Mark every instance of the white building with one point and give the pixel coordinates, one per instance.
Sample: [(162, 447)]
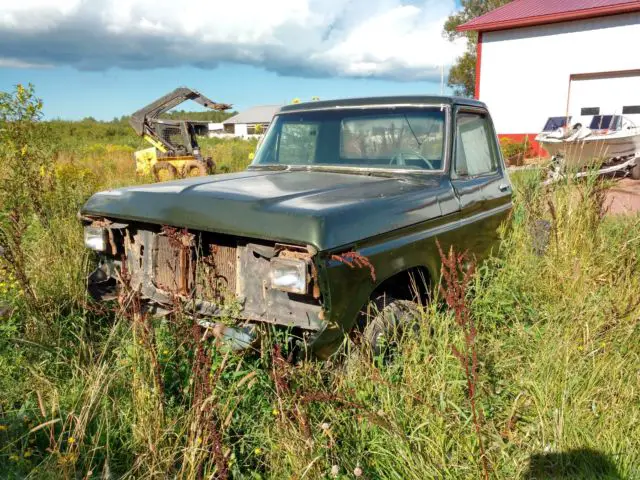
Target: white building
[(215, 129), (552, 58), (253, 121)]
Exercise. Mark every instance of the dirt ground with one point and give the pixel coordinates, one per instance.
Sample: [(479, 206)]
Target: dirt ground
[(624, 197)]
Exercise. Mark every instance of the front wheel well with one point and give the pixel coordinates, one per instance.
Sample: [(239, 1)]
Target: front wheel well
[(413, 284)]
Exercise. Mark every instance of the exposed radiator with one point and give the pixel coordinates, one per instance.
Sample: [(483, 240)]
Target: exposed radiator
[(209, 276), (225, 261), (172, 266)]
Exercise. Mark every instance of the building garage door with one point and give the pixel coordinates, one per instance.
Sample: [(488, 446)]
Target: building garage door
[(605, 94)]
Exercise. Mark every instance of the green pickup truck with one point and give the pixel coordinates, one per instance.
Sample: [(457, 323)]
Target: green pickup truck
[(342, 207)]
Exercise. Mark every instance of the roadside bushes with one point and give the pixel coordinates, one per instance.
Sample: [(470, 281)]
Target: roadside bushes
[(515, 152), (25, 178), (230, 155)]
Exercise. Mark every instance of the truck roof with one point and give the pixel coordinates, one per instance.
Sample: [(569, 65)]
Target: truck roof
[(382, 101)]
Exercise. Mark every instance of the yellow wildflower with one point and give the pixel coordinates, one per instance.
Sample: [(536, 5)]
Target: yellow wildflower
[(71, 441), (28, 453), (258, 451), (275, 412)]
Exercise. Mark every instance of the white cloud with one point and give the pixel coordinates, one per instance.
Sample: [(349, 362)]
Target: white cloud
[(380, 38), (15, 63)]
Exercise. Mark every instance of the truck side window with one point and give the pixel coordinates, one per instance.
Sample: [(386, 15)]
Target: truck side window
[(475, 146)]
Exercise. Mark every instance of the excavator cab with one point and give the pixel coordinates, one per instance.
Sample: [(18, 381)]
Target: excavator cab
[(175, 152)]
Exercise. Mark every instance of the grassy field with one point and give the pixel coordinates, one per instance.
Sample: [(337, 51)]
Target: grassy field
[(94, 392)]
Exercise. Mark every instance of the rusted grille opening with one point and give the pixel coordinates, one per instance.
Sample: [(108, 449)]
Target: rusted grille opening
[(173, 265), (216, 273), (205, 267)]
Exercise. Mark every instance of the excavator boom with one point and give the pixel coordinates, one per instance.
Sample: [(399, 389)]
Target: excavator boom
[(141, 121)]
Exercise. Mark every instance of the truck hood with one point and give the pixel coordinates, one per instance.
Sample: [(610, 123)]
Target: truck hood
[(323, 209)]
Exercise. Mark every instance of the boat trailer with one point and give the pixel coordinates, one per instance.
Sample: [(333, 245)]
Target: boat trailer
[(630, 165)]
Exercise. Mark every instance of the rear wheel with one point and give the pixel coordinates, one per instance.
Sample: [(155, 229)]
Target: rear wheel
[(635, 171), (164, 171), (211, 165)]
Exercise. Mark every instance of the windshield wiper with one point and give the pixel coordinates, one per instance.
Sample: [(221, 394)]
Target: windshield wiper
[(412, 132)]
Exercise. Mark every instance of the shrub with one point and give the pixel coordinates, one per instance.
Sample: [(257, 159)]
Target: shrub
[(229, 154), (514, 152)]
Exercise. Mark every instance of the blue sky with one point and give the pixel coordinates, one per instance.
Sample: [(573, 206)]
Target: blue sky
[(115, 56)]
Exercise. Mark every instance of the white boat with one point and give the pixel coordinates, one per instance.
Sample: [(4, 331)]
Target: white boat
[(607, 138)]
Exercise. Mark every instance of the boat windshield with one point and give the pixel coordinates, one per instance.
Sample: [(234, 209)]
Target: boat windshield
[(554, 123), (410, 138), (606, 122)]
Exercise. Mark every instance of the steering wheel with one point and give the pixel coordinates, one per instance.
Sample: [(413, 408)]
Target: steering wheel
[(399, 159)]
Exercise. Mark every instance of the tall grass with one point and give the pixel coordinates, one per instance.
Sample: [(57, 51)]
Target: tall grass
[(88, 391)]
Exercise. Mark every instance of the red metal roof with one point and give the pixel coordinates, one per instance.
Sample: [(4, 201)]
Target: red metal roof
[(521, 13)]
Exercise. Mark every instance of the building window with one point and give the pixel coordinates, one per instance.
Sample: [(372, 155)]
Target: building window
[(631, 109), (257, 128), (590, 111)]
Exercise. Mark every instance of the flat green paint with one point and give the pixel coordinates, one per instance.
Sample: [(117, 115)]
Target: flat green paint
[(323, 209)]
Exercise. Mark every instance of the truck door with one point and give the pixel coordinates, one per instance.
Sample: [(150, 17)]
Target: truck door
[(479, 180)]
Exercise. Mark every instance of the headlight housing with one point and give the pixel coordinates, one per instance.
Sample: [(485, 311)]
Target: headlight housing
[(95, 238), (289, 275)]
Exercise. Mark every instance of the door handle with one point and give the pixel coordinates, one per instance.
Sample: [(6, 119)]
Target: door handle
[(504, 187)]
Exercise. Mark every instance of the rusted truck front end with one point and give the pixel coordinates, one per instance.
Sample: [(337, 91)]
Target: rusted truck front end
[(211, 277)]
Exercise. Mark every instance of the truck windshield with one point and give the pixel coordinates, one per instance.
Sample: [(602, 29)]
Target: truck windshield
[(380, 138)]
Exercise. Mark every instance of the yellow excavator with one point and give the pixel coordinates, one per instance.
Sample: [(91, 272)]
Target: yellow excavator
[(175, 152)]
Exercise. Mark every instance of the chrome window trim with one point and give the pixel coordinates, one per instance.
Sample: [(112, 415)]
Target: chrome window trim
[(446, 150), (496, 144), (367, 106)]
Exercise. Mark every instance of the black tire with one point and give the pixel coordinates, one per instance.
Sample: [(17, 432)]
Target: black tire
[(386, 321), (164, 171), (635, 171), (211, 165), (194, 168)]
